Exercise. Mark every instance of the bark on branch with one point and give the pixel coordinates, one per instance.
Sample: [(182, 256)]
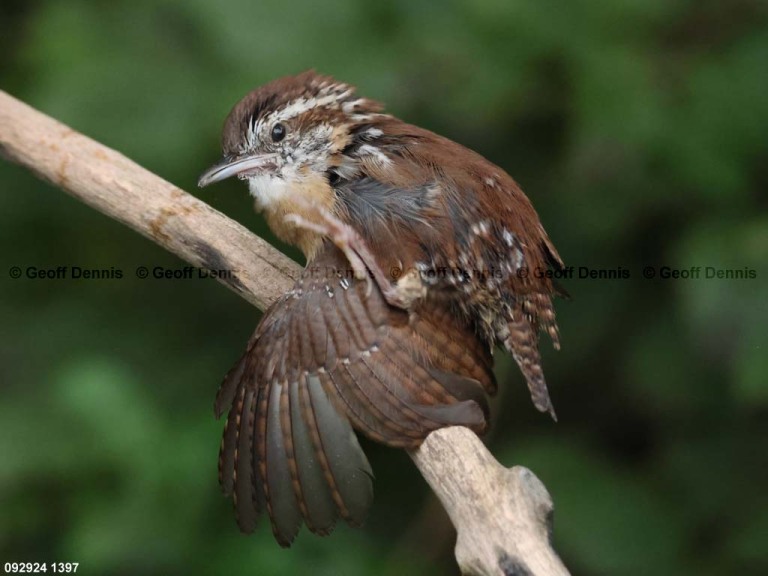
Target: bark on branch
[(502, 516)]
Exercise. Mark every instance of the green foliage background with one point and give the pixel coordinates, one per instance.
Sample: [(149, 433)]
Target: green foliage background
[(638, 128)]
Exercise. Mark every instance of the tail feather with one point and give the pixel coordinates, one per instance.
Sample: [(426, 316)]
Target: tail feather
[(522, 343)]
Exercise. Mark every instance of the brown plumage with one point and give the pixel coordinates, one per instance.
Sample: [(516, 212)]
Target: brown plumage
[(422, 257)]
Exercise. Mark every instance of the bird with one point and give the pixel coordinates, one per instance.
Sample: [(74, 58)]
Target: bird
[(422, 258)]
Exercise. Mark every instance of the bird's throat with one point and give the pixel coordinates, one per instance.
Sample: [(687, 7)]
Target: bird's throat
[(279, 197)]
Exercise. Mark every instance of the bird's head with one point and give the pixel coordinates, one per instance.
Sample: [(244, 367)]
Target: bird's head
[(290, 133), (292, 140)]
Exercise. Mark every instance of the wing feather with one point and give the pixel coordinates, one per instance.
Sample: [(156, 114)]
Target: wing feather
[(319, 509), (247, 514), (324, 359), (281, 501)]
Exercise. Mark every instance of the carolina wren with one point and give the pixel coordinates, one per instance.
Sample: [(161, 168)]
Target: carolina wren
[(417, 250)]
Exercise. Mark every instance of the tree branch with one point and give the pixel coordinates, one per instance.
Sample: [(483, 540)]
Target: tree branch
[(502, 516)]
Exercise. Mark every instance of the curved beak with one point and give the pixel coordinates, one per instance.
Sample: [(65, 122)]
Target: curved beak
[(240, 167)]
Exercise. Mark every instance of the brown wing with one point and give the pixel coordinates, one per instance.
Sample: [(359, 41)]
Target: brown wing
[(450, 209), (327, 357)]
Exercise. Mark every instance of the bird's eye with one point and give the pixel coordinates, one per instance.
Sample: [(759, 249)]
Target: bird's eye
[(278, 132)]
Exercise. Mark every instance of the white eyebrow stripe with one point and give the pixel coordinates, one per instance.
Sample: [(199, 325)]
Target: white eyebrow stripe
[(301, 105)]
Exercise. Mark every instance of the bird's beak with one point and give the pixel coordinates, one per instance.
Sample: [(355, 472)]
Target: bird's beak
[(241, 166)]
